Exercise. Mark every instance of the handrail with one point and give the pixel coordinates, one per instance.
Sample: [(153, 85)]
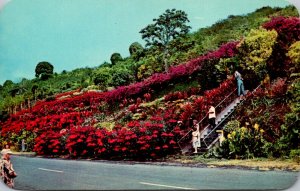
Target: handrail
[(216, 127), (226, 98), (206, 116), (184, 135), (225, 119), (216, 107)]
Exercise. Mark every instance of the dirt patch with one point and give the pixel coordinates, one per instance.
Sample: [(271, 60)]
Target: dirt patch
[(262, 164)]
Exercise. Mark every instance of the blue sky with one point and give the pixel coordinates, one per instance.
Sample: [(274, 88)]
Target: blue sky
[(77, 33)]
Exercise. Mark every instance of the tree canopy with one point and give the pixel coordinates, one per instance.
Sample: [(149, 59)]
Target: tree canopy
[(44, 70), (167, 27), (115, 57)]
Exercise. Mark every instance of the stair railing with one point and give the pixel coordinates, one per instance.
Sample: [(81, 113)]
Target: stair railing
[(219, 104), (189, 132), (223, 119)]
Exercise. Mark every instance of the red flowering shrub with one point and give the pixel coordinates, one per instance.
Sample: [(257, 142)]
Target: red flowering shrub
[(49, 143), (278, 87), (81, 141), (288, 29), (147, 97)]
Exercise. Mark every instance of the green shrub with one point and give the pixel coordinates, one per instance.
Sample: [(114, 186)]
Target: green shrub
[(232, 126), (244, 143), (295, 155)]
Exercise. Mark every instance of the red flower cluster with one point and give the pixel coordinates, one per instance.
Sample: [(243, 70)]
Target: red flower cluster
[(288, 29), (150, 139)]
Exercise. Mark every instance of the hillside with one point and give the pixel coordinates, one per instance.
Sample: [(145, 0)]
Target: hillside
[(139, 65), (140, 120)]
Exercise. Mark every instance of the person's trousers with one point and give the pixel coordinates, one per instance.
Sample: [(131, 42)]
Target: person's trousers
[(240, 86), (212, 123)]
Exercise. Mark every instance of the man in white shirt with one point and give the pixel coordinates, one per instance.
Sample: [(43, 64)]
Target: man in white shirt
[(211, 118)]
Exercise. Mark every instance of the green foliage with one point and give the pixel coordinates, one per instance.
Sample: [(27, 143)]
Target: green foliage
[(232, 126), (148, 66), (178, 49), (289, 11), (8, 83), (255, 49), (115, 58), (44, 70), (102, 76), (295, 155), (105, 65), (244, 143), (167, 27), (120, 77), (294, 55), (291, 131), (136, 50), (225, 67)]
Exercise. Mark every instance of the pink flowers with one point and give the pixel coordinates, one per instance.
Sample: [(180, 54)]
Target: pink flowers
[(288, 29)]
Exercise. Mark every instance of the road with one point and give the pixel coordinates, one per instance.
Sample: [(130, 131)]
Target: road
[(55, 174)]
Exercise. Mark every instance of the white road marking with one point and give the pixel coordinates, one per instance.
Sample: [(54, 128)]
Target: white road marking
[(167, 186), (51, 170)]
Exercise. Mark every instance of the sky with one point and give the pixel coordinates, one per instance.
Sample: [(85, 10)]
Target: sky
[(74, 34)]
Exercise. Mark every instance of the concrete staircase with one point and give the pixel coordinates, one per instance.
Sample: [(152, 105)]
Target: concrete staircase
[(208, 139), (211, 138)]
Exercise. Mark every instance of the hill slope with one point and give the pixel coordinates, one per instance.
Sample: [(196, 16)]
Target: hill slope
[(138, 121)]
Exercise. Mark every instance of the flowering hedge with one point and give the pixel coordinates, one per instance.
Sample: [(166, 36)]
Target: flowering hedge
[(151, 139)]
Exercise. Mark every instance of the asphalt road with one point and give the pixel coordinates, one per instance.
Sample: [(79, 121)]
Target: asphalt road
[(53, 174)]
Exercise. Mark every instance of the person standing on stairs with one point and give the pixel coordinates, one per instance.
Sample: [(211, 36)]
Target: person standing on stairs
[(211, 118), (240, 83), (196, 136)]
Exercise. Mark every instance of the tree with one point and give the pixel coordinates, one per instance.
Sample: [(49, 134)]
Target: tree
[(8, 83), (136, 51), (135, 48), (167, 27), (115, 57), (44, 70), (34, 90)]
